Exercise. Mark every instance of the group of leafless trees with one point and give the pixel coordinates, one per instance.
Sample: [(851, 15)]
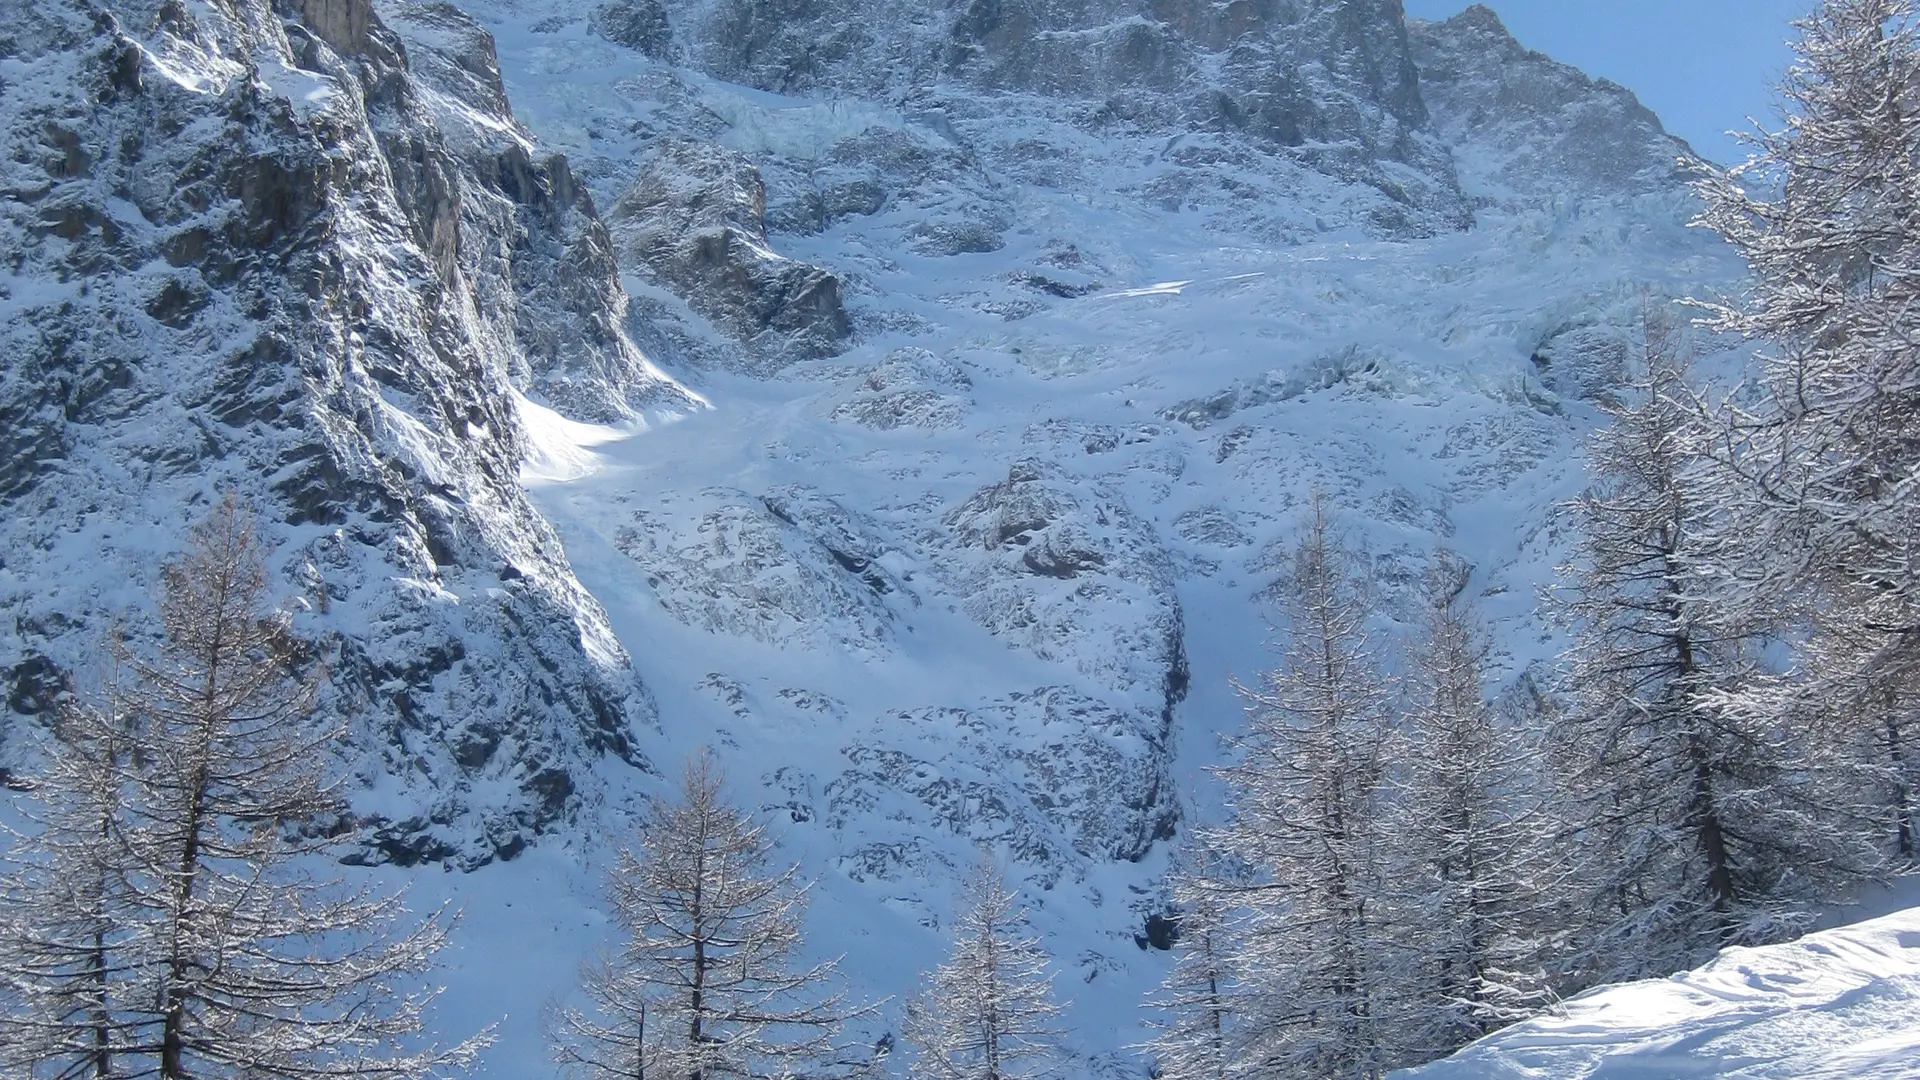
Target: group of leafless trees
[(707, 980), (1730, 739), (167, 908), (1384, 888)]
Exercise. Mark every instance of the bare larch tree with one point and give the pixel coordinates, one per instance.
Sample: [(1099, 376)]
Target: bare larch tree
[(187, 835), (989, 1012), (1307, 814), (707, 981)]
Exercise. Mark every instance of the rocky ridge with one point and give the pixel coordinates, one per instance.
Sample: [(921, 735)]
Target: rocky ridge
[(314, 261)]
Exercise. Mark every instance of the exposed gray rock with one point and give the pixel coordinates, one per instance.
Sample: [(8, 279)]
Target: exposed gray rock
[(637, 24), (694, 219), (1048, 568), (1584, 361), (253, 255), (951, 203), (1211, 526), (1087, 437), (909, 388), (1349, 364), (342, 24), (791, 569), (1022, 771), (528, 236), (1329, 83), (1525, 126)]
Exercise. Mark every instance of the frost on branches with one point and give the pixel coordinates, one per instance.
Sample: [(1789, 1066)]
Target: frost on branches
[(988, 1013), (1815, 478), (706, 983), (160, 917), (1474, 879), (1686, 817), (1306, 802)]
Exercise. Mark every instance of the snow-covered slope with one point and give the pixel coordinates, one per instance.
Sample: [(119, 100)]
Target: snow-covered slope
[(1835, 1005), (981, 578), (995, 384)]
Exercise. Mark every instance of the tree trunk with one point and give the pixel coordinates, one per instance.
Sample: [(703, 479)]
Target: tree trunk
[(1902, 793), (173, 1032), (697, 1001)]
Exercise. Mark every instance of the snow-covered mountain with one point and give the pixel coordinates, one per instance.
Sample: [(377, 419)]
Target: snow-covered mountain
[(910, 401)]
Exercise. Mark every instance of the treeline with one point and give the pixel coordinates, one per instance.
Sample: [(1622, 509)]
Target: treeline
[(1730, 739)]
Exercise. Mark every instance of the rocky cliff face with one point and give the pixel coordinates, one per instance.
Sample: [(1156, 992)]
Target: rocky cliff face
[(311, 259), (694, 221), (1523, 126), (1328, 85)]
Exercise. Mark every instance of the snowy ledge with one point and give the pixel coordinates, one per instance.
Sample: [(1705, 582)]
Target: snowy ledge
[(1838, 1003)]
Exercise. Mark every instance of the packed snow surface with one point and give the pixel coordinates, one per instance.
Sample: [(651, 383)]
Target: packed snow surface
[(1836, 1004)]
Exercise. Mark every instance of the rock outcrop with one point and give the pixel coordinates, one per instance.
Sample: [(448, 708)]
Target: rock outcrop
[(694, 220), (1522, 125), (286, 259), (1331, 85), (1047, 568)]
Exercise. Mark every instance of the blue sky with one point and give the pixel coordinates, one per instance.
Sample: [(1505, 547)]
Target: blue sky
[(1703, 65)]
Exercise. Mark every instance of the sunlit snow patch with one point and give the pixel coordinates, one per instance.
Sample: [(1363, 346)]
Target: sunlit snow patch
[(1162, 288), (1839, 1003), (560, 450)]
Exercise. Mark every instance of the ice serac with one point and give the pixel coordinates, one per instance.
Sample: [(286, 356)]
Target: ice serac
[(310, 259), (1522, 125)]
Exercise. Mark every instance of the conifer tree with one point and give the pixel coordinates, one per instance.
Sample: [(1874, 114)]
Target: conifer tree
[(1691, 818), (706, 983), (1306, 806), (1816, 494), (179, 824), (1195, 1008), (1473, 884), (68, 946), (988, 1013)]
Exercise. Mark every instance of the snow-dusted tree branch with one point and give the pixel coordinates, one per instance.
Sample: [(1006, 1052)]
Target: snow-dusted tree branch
[(69, 953), (1691, 818), (1195, 1007), (1816, 478), (707, 982), (988, 1013)]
